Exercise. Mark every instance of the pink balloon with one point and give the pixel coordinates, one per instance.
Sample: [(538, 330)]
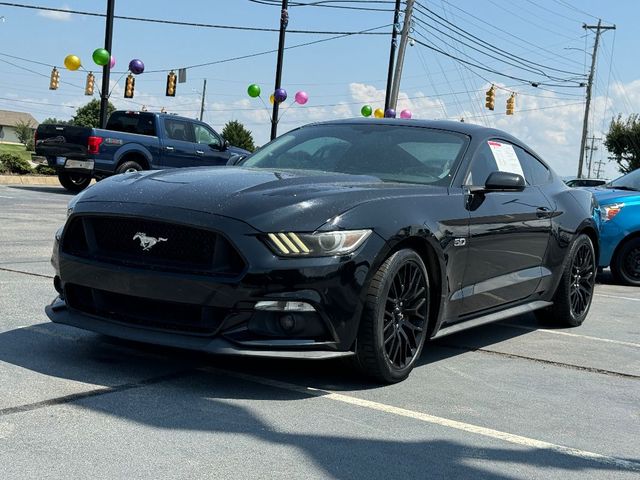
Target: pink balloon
[(302, 97), (405, 114), (112, 62)]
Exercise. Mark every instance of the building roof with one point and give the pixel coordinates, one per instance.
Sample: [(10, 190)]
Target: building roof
[(10, 119)]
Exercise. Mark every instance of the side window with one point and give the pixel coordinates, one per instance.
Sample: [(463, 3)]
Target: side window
[(204, 135), (483, 164), (178, 130), (535, 172), (493, 156)]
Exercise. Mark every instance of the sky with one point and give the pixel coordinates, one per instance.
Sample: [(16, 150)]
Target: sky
[(535, 41)]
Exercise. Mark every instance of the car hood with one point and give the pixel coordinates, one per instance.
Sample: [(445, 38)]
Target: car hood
[(265, 199), (606, 196)]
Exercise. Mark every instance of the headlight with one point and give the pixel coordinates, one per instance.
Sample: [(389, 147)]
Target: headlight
[(607, 212), (319, 244)]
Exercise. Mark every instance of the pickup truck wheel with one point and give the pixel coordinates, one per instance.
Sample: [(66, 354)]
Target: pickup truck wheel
[(128, 167), (74, 182)]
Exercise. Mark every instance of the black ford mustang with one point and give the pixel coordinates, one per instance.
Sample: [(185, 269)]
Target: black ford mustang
[(356, 237)]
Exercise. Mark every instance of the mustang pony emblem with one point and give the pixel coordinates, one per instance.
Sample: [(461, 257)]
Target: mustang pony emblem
[(147, 242)]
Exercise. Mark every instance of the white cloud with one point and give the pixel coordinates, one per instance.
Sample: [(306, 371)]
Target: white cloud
[(56, 15)]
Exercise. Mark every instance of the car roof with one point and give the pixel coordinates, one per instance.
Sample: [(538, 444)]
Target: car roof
[(470, 129)]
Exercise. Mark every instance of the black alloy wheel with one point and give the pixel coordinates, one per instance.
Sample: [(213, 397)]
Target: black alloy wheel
[(582, 279), (394, 322), (626, 264), (572, 299)]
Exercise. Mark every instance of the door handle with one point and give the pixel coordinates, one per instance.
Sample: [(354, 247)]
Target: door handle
[(543, 212), (169, 149), (199, 152)]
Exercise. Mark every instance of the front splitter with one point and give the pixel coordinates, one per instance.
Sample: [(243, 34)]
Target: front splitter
[(58, 312)]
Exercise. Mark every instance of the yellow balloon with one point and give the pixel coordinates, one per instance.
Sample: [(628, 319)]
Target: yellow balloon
[(272, 99), (72, 62), (379, 113)]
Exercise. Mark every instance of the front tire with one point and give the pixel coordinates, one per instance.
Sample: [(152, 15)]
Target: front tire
[(572, 299), (74, 182), (626, 264), (394, 320)]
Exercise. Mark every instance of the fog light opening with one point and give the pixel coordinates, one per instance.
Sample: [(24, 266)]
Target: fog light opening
[(287, 323)]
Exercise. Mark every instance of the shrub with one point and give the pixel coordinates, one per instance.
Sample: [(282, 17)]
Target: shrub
[(30, 145), (45, 170), (15, 164)]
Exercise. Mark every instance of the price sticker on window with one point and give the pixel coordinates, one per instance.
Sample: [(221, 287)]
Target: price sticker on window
[(505, 157)]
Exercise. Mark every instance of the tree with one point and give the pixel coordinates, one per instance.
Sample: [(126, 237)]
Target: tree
[(238, 135), (623, 142), (89, 115), (55, 121), (24, 131)]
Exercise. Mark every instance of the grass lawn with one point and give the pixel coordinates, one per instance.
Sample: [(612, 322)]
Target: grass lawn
[(16, 149)]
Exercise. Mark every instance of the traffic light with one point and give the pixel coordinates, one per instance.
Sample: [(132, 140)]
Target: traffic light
[(91, 82), (129, 86), (511, 104), (171, 84), (491, 98), (54, 81)]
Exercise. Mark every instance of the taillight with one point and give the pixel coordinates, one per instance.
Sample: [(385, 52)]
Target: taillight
[(610, 211), (93, 145)]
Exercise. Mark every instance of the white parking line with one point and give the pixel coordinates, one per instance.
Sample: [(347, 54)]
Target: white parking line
[(444, 422), (618, 297), (556, 332)]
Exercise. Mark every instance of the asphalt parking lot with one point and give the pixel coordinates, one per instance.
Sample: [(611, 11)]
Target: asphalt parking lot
[(504, 401)]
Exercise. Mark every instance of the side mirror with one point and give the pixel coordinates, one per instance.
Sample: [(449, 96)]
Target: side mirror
[(504, 182), (235, 159)]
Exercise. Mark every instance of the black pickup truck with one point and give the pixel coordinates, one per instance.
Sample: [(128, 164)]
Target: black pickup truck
[(132, 141)]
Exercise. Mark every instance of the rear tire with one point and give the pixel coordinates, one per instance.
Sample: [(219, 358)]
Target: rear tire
[(74, 182), (625, 267), (395, 317), (572, 299), (128, 167)]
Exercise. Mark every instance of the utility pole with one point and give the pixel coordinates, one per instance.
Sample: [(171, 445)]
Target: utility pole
[(392, 53), (204, 92), (284, 21), (108, 37), (404, 37), (585, 125), (591, 149), (599, 163)]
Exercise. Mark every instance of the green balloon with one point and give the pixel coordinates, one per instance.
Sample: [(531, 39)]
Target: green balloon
[(101, 56), (253, 90), (366, 111)]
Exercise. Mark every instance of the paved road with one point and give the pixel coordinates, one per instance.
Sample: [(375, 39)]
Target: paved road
[(505, 401)]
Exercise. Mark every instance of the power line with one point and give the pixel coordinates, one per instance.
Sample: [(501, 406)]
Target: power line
[(501, 31), (484, 44), (328, 4), (182, 24)]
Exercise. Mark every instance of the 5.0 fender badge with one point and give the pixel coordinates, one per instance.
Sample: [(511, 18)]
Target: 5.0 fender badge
[(459, 242), (147, 242)]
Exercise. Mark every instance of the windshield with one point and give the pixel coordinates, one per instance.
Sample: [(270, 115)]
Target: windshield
[(630, 181), (393, 153)]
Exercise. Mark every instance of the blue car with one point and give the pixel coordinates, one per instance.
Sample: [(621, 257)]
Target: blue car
[(620, 227)]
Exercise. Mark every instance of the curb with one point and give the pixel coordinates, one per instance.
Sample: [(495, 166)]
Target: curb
[(29, 180)]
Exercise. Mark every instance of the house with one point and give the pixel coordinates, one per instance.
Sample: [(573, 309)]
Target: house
[(8, 122)]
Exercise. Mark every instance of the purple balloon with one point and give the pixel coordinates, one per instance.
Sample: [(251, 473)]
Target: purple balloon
[(112, 62), (390, 113), (280, 95), (136, 66), (405, 114)]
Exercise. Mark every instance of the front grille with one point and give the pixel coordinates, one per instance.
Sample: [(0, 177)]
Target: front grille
[(145, 312), (151, 244)]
